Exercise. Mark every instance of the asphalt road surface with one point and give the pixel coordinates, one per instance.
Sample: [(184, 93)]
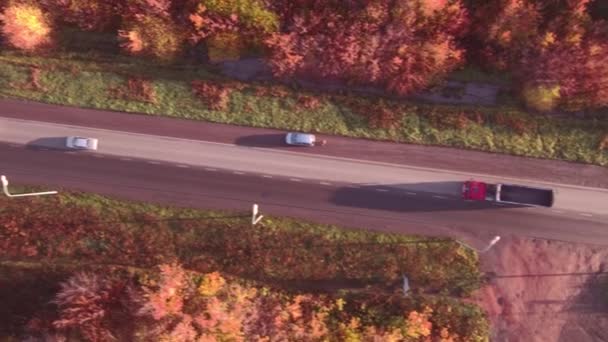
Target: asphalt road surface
[(297, 166), (327, 189), (406, 154), (369, 207)]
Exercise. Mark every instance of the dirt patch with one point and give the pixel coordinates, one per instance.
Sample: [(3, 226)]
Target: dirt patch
[(546, 291)]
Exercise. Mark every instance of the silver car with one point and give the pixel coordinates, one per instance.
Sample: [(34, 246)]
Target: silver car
[(300, 139), (80, 143)]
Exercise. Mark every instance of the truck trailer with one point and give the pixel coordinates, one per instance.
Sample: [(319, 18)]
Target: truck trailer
[(507, 193)]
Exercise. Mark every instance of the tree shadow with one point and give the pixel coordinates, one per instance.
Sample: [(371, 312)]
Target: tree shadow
[(415, 197), (587, 309)]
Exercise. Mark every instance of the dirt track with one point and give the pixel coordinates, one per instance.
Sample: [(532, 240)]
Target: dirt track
[(546, 291)]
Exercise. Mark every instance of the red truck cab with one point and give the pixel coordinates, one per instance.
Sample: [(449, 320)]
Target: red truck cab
[(474, 190)]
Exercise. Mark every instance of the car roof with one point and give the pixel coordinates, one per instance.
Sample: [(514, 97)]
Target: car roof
[(303, 137)]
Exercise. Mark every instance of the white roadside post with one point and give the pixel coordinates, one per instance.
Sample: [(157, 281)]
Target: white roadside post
[(7, 193), (406, 285), (254, 215), (487, 248)]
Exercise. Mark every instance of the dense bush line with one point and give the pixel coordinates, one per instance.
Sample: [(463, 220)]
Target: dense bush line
[(169, 303), (556, 50)]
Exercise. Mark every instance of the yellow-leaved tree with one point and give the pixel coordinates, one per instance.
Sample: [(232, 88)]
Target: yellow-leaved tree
[(26, 26), (152, 35)]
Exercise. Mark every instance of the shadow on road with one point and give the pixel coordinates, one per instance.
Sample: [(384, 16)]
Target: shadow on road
[(53, 143), (262, 140), (417, 197)]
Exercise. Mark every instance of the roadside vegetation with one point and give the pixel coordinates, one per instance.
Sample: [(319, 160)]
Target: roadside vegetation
[(191, 92), (82, 265), (548, 56)]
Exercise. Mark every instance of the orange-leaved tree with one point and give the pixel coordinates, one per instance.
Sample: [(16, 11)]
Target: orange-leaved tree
[(26, 26)]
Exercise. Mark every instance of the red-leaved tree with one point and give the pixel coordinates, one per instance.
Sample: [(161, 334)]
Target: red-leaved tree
[(88, 15), (401, 46), (577, 69), (87, 303)]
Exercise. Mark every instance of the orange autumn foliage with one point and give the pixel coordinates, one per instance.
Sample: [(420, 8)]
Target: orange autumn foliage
[(26, 26), (418, 324)]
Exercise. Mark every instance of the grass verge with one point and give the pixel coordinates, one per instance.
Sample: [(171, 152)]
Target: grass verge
[(132, 85), (89, 228)]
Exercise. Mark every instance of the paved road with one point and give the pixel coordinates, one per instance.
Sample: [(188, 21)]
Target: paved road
[(386, 197), (297, 166), (411, 155), (366, 207)]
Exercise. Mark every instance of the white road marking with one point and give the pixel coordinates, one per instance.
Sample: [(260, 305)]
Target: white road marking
[(210, 169), (498, 204), (585, 214), (238, 172), (153, 162), (267, 176), (126, 159), (557, 211), (70, 152), (325, 183), (295, 179), (97, 156), (183, 166), (43, 149), (410, 193), (439, 197), (382, 190)]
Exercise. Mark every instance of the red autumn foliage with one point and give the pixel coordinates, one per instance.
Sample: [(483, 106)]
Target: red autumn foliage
[(502, 30), (88, 15), (160, 8), (136, 89), (86, 304), (308, 102), (518, 124), (576, 62), (402, 53), (33, 81), (206, 23), (33, 228), (215, 96), (603, 146), (273, 91)]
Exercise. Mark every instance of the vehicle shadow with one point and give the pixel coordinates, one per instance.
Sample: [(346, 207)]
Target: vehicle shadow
[(416, 197), (47, 143), (262, 140)]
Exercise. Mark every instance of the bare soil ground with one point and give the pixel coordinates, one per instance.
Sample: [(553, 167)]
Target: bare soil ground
[(546, 291)]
